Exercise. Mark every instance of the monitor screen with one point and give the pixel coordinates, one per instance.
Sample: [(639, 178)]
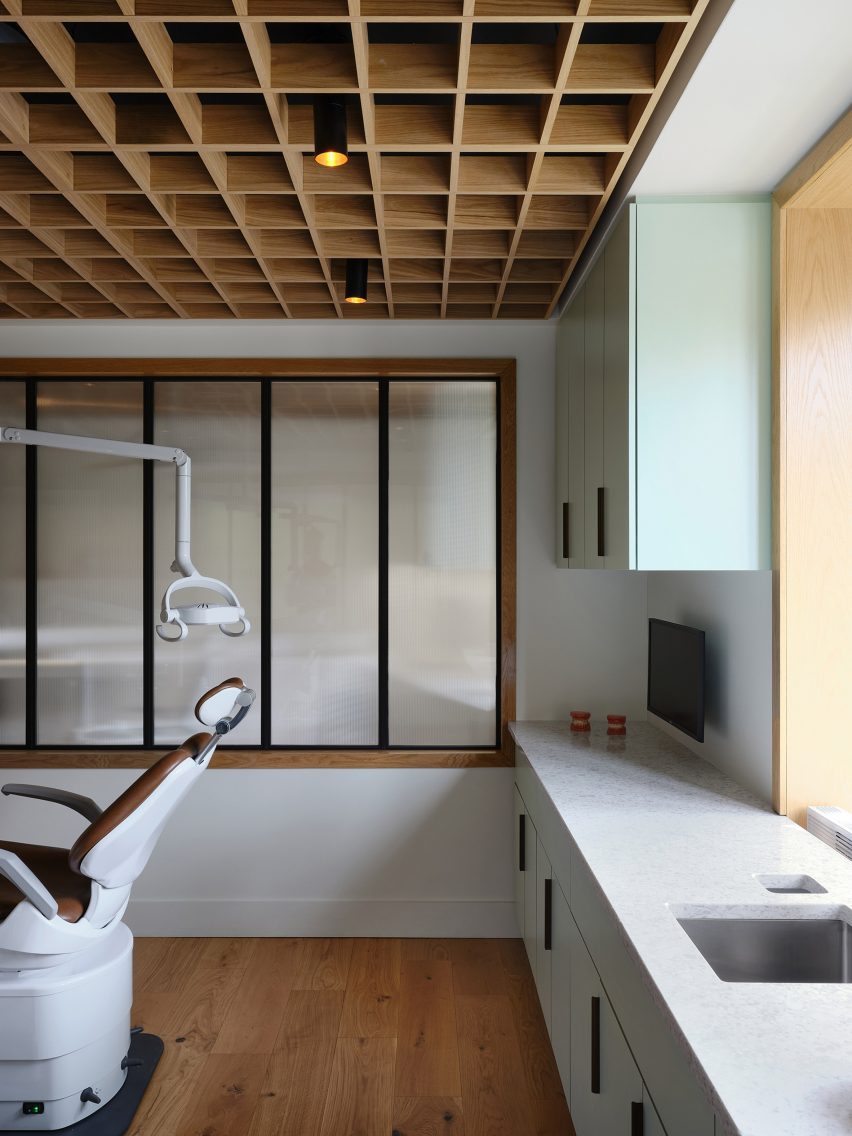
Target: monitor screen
[(676, 676)]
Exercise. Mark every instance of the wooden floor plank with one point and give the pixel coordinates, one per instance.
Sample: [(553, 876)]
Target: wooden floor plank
[(201, 1006), (225, 1099), (542, 1075), (477, 967), (323, 964), (256, 1011), (148, 955), (292, 1098), (426, 949), (174, 964), (427, 1062), (360, 1093), (173, 1090), (428, 1116), (372, 995), (494, 1091), (552, 1118), (335, 1037)]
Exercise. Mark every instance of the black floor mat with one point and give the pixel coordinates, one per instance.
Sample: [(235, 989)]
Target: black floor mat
[(115, 1118)]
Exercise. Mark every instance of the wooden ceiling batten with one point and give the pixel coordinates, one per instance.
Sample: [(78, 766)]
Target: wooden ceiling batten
[(159, 152)]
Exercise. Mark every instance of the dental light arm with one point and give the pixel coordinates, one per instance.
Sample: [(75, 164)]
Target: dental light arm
[(17, 873), (85, 806), (229, 616)]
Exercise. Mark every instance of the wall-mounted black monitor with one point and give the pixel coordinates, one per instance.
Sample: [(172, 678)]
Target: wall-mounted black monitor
[(676, 675)]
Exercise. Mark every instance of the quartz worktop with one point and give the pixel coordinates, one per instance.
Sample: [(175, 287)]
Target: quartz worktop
[(664, 833)]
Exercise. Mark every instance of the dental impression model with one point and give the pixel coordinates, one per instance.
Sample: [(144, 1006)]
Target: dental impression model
[(229, 616)]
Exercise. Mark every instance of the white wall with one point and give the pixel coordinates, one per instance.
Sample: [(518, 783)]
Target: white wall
[(766, 89), (735, 610), (377, 851)]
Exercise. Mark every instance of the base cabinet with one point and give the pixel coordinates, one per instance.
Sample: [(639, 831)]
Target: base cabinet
[(612, 1050), (606, 1086)]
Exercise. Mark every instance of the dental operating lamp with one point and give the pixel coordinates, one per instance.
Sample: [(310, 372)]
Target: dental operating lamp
[(228, 615)]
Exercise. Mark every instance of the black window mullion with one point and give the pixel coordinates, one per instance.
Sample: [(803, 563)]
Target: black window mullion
[(265, 562), (384, 474), (148, 600), (31, 600)]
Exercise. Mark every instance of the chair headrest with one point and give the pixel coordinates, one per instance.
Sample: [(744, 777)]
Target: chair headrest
[(218, 703)]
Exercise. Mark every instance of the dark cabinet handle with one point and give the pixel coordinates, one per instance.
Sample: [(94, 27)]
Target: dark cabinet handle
[(548, 914), (601, 521), (637, 1118), (596, 1045), (566, 530), (522, 842)]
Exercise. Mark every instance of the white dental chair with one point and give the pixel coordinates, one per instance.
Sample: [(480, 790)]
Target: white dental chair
[(65, 955)]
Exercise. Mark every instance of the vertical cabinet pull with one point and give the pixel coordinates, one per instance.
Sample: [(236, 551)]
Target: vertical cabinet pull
[(522, 843), (596, 1045), (548, 914), (637, 1118), (566, 530), (601, 521)]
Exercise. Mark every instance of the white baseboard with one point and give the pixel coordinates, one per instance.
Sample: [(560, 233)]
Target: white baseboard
[(323, 917)]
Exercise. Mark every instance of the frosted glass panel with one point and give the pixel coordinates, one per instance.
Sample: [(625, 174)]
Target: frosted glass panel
[(89, 569), (218, 424), (442, 582), (324, 563), (12, 571)]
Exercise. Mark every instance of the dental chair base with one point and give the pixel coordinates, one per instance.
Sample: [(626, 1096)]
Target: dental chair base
[(64, 1036)]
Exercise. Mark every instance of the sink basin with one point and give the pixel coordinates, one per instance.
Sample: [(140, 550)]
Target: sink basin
[(806, 946)]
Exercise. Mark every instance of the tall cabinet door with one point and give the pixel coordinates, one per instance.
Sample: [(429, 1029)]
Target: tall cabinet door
[(544, 929), (570, 435), (619, 396), (530, 923), (595, 493), (605, 1082), (560, 987), (520, 859)]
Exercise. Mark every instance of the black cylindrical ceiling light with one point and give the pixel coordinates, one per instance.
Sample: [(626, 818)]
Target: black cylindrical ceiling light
[(356, 281), (330, 145)]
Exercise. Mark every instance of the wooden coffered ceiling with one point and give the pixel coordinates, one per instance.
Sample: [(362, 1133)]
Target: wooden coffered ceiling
[(156, 155)]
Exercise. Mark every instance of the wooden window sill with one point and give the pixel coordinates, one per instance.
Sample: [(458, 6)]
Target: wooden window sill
[(263, 759)]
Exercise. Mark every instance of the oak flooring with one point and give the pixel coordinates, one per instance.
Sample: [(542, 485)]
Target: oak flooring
[(345, 1037)]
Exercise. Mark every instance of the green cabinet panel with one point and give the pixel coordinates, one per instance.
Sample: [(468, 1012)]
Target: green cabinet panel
[(672, 388)]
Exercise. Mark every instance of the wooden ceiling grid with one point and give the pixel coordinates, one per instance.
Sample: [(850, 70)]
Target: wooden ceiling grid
[(156, 155)]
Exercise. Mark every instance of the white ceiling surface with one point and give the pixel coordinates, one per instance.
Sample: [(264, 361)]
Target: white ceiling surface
[(775, 77)]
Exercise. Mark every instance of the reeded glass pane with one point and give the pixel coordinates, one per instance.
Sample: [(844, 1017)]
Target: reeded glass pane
[(12, 571), (89, 568), (324, 563), (218, 424), (442, 581)]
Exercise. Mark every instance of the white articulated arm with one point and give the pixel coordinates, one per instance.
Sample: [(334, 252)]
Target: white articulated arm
[(17, 873), (229, 616), (85, 806)]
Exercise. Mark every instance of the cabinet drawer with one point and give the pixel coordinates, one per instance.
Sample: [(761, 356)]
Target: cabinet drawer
[(681, 1104)]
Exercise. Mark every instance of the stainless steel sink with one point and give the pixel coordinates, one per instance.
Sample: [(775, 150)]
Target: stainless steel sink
[(804, 947)]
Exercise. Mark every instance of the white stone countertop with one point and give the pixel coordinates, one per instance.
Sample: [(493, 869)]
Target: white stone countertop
[(660, 829)]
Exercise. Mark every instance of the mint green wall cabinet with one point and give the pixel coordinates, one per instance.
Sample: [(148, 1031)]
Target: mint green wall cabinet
[(663, 393)]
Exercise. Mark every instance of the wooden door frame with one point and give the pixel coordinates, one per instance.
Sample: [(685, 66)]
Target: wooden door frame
[(814, 183), (503, 371)]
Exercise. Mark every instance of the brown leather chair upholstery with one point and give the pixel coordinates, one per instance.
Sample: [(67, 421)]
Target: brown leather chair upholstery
[(59, 869)]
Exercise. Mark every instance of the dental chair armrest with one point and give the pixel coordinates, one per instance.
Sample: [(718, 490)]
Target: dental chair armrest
[(85, 806), (17, 873)]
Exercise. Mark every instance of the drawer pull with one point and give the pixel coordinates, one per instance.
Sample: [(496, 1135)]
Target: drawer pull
[(522, 842), (601, 521), (566, 530), (637, 1118), (596, 1045), (548, 914)]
